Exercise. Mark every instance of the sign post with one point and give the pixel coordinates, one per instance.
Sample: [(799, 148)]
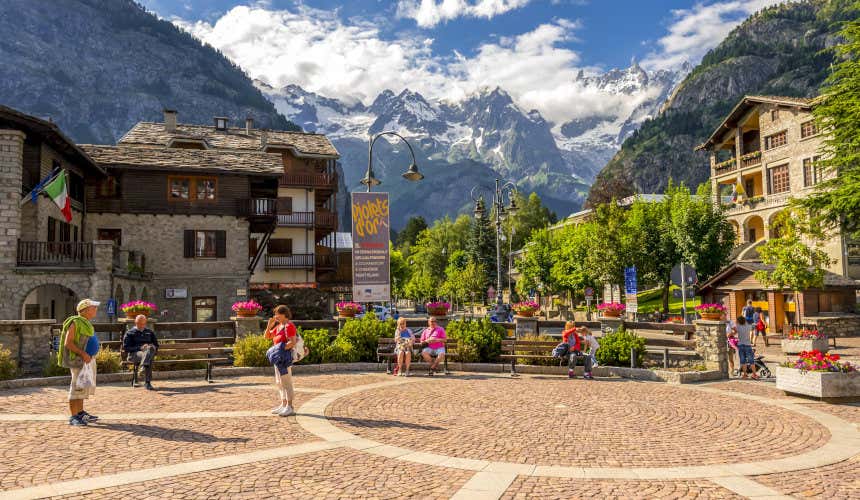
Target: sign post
[(631, 288), (371, 273)]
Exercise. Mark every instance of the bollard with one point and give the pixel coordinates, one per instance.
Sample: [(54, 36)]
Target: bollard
[(632, 357), (666, 358)]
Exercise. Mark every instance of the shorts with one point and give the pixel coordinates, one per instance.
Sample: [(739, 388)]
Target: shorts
[(434, 351), (75, 393), (745, 353)]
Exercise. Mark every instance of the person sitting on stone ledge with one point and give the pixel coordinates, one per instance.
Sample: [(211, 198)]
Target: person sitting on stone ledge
[(140, 345)]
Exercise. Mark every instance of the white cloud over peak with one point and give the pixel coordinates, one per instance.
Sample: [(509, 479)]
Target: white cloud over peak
[(429, 13), (697, 30)]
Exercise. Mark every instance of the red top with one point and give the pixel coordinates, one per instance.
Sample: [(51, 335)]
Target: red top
[(282, 333), (565, 336)]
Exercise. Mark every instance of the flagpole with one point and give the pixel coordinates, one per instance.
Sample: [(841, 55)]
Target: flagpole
[(53, 175)]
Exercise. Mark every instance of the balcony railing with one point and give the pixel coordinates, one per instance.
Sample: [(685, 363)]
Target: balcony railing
[(296, 219), (725, 167), (300, 179), (259, 207), (326, 219), (55, 254), (324, 261), (758, 202), (751, 159), (290, 261), (130, 263)]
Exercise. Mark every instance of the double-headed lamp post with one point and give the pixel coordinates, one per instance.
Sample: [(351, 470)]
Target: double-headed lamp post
[(502, 190), (411, 174)]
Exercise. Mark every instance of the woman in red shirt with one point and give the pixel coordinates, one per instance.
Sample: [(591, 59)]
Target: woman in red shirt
[(281, 329)]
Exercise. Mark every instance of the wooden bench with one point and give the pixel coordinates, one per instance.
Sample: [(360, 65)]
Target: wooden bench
[(670, 346), (196, 352), (386, 345), (514, 349)]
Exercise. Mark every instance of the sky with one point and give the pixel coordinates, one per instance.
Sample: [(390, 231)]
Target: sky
[(448, 49)]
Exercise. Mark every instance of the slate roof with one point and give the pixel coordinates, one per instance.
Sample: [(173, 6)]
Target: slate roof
[(301, 143), (186, 160), (745, 104), (831, 279)]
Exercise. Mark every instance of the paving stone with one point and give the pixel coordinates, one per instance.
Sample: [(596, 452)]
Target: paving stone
[(525, 487), (840, 480)]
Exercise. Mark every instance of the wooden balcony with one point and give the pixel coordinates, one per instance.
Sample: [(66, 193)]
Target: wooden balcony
[(751, 159), (311, 179), (325, 219), (326, 262), (259, 207), (725, 167), (290, 261), (55, 254), (296, 219)]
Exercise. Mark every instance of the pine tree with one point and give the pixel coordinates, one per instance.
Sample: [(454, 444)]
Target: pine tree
[(481, 247)]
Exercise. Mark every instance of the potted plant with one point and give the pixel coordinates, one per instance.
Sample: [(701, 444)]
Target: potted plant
[(804, 339), (820, 375), (526, 309), (438, 308), (611, 309), (247, 309), (135, 307), (348, 309), (711, 312)]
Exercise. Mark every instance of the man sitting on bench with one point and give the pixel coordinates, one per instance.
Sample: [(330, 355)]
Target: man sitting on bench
[(140, 345), (434, 339)]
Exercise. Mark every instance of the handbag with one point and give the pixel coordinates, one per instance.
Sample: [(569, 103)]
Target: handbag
[(299, 350)]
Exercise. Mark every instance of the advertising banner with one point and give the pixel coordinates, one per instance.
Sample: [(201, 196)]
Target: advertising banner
[(371, 277)]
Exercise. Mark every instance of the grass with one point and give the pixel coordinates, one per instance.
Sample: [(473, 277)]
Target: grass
[(654, 303)]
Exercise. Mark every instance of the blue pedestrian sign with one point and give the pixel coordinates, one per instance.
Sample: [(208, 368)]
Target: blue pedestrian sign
[(111, 307), (630, 286)]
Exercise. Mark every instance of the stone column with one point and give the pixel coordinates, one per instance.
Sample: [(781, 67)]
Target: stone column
[(11, 172), (525, 326), (101, 283), (247, 325), (711, 345)]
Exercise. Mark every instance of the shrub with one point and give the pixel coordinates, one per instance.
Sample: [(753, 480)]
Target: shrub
[(342, 350), (8, 364), (537, 361), (477, 340), (316, 341), (108, 361), (364, 334), (251, 351), (615, 348), (52, 369)]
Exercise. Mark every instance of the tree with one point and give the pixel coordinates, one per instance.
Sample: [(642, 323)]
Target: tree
[(481, 246), (608, 187), (434, 245), (465, 278), (835, 202), (530, 215), (569, 251), (607, 253), (400, 271), (651, 248), (704, 236), (537, 262), (796, 266), (421, 286), (408, 236)]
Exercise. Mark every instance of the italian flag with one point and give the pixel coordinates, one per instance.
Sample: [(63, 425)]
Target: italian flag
[(58, 192)]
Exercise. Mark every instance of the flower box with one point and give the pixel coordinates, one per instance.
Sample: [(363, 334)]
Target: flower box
[(438, 309), (612, 314), (526, 309), (797, 346), (348, 309), (246, 309), (136, 307), (818, 384)]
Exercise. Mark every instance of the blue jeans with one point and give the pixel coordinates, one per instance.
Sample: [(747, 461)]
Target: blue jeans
[(745, 353)]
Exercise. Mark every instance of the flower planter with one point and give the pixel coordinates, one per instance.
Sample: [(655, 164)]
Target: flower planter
[(796, 346), (818, 384), (525, 313), (710, 316), (612, 314), (346, 314), (439, 313), (246, 313), (134, 314)]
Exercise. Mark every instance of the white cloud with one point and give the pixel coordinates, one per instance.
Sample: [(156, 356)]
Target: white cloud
[(697, 30), (429, 13)]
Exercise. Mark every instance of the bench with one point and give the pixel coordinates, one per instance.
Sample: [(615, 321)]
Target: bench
[(386, 345), (670, 346), (197, 352), (514, 349)]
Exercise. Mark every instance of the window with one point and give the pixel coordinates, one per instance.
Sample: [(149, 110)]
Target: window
[(108, 187), (76, 187), (192, 189), (220, 123), (205, 244), (114, 235), (774, 115), (811, 171), (808, 129), (776, 140), (778, 179), (285, 205)]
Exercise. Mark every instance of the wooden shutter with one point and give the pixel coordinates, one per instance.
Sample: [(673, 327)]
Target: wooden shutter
[(220, 244), (285, 205), (253, 245), (52, 229), (280, 246), (189, 244)]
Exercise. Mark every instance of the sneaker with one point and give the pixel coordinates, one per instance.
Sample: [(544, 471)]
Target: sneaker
[(407, 374), (287, 411), (149, 387), (571, 374), (589, 376), (86, 417), (77, 421), (276, 410)]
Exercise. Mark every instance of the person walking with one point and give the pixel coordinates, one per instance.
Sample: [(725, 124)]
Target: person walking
[(74, 336), (282, 331), (731, 342), (759, 326), (140, 345), (404, 339), (748, 312), (745, 351)]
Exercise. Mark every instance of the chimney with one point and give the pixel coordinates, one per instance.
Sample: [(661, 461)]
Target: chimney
[(249, 125), (170, 120)]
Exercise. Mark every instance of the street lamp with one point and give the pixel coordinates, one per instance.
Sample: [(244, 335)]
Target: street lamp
[(497, 200), (411, 174)]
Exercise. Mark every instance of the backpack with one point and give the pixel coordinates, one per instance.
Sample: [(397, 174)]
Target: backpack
[(561, 350), (749, 313), (760, 326)]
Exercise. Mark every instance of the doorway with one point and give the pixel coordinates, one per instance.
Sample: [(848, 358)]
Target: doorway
[(204, 309)]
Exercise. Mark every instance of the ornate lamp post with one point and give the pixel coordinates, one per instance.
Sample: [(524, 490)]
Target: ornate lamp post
[(501, 191), (411, 174)]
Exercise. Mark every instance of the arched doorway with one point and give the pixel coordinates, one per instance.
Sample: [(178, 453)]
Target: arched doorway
[(754, 227), (774, 224), (737, 229), (49, 302)]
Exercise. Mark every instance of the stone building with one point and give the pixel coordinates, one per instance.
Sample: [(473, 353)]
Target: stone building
[(762, 154)]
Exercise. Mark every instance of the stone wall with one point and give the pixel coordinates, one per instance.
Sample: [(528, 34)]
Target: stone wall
[(11, 164), (711, 345), (29, 341), (836, 325)]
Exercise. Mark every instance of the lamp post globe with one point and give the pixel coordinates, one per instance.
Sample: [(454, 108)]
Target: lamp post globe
[(411, 174)]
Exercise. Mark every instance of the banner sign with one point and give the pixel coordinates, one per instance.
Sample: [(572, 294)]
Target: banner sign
[(371, 277), (630, 285)]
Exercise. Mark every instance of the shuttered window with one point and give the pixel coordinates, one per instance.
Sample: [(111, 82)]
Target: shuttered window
[(205, 244), (280, 246), (285, 205)]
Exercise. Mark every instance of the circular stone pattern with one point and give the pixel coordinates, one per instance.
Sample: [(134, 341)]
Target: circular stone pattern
[(575, 422)]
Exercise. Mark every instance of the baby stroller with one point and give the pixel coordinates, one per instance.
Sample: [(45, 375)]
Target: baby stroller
[(759, 366)]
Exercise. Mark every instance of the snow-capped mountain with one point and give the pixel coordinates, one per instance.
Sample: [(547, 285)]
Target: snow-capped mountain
[(558, 161)]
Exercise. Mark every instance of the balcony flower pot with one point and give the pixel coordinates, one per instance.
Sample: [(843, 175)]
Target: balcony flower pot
[(796, 346), (818, 384)]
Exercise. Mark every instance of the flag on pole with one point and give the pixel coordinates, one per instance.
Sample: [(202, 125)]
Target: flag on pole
[(59, 192), (33, 195)]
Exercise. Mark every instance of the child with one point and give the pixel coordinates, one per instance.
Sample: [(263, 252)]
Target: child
[(589, 339), (571, 336)]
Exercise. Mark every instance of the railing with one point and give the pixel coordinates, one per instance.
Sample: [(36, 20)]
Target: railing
[(751, 159), (259, 207), (290, 261), (308, 179), (725, 167), (55, 254), (301, 219), (326, 219), (759, 202), (131, 263), (324, 261)]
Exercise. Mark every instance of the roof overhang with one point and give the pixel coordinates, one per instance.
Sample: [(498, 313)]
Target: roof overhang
[(742, 108), (275, 147)]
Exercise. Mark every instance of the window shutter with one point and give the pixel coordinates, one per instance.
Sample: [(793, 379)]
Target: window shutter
[(52, 229), (220, 244), (285, 205), (189, 243), (253, 245)]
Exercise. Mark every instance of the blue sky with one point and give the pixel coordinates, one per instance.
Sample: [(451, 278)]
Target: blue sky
[(448, 49)]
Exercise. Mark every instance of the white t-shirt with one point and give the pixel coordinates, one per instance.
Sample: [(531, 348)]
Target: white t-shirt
[(593, 344)]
